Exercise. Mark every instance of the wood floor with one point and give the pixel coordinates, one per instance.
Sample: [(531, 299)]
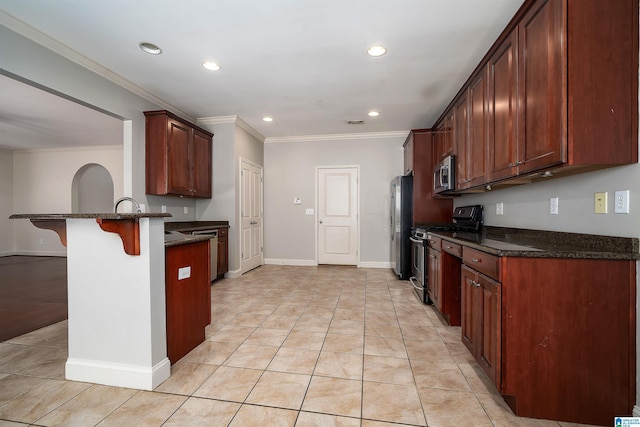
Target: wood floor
[(33, 293)]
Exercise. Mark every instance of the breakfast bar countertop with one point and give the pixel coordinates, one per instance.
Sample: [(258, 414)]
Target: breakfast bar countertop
[(515, 242)]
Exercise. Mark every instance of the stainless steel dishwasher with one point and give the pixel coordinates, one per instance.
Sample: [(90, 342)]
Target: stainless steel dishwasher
[(213, 243)]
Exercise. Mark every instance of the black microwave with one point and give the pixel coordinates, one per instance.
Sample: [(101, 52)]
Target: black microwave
[(444, 179)]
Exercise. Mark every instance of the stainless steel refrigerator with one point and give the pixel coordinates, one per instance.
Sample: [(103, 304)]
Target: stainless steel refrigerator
[(401, 219)]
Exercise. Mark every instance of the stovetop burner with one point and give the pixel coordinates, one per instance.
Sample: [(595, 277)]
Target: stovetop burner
[(465, 219)]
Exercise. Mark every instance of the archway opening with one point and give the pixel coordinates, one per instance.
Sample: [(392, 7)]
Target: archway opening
[(92, 190)]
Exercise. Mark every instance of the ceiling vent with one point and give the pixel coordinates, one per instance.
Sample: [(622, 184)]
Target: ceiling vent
[(355, 122)]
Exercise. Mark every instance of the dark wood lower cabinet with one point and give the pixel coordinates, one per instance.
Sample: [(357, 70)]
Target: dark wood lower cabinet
[(188, 300), (568, 337), (556, 336), (481, 320)]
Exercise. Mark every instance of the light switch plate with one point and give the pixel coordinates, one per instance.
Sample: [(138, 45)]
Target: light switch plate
[(309, 211), (600, 203)]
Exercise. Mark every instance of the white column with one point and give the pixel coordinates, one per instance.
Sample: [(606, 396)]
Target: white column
[(117, 317)]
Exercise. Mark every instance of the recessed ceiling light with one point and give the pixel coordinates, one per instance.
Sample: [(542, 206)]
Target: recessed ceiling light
[(267, 119), (377, 50), (150, 48), (211, 66), (373, 114)]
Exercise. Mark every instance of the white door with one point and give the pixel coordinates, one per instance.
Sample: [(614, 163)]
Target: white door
[(250, 216), (338, 215)]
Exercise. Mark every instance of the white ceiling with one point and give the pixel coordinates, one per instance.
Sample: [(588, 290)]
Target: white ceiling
[(303, 62)]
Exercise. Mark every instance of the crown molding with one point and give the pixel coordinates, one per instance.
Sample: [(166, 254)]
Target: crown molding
[(231, 119), (338, 137), (65, 51)]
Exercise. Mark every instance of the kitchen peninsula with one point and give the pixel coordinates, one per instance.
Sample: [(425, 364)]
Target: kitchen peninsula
[(116, 296)]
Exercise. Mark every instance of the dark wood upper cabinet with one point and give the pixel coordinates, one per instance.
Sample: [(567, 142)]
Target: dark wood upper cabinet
[(561, 95), (502, 97), (178, 156), (542, 96), (461, 140), (425, 209), (478, 132)]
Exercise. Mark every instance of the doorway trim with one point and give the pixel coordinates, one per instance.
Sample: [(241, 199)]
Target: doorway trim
[(317, 195), (242, 160)]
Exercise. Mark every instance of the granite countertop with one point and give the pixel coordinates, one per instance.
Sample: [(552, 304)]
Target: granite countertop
[(515, 242), (174, 233), (175, 238), (194, 225), (89, 216)]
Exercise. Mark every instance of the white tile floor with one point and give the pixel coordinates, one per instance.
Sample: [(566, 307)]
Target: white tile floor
[(288, 346)]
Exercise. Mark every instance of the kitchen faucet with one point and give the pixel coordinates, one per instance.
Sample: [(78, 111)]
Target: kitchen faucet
[(122, 199)]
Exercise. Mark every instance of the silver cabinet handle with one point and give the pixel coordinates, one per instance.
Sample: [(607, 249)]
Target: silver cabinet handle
[(476, 260)]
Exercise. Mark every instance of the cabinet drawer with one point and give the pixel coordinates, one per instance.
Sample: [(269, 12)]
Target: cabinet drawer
[(434, 242), (452, 248), (482, 262)]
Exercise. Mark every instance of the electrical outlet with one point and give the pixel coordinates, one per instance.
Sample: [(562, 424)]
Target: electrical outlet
[(500, 208), (184, 273), (553, 206), (622, 202), (143, 208), (186, 210), (42, 241), (164, 209), (600, 203), (297, 200)]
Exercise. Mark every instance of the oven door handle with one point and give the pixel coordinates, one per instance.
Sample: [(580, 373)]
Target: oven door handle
[(411, 280), (416, 240)]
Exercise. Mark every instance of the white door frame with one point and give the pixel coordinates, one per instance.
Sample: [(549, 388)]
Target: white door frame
[(357, 167), (242, 160)]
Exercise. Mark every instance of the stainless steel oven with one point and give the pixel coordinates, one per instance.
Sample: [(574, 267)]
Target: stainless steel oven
[(418, 277)]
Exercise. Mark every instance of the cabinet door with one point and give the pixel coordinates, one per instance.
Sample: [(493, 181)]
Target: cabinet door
[(477, 135), (179, 169), (408, 155), (470, 303), (460, 135), (223, 251), (435, 278), (448, 146), (542, 97), (488, 345), (201, 164), (503, 98)]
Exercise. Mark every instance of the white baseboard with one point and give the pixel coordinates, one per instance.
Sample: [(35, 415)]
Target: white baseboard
[(129, 376), (234, 274), (636, 411), (299, 262), (7, 253), (375, 264)]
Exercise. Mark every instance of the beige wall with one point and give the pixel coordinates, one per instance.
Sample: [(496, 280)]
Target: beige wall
[(6, 202), (42, 183), (290, 169), (230, 143)]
